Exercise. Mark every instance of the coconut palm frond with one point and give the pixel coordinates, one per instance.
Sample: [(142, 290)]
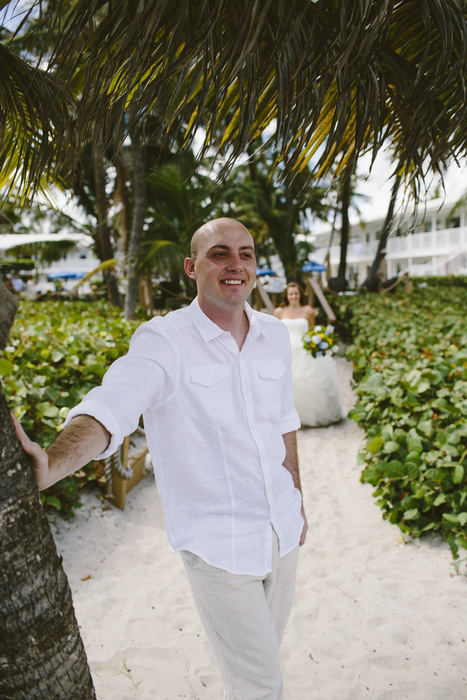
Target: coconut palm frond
[(423, 61), (162, 257), (35, 139), (109, 264), (358, 72), (461, 202)]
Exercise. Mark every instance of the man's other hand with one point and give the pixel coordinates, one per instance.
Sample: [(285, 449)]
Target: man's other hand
[(305, 528)]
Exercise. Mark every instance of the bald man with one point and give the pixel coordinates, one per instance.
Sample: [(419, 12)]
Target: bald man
[(213, 383)]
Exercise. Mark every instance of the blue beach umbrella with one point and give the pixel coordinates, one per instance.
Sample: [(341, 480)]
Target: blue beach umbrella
[(313, 266), (65, 275)]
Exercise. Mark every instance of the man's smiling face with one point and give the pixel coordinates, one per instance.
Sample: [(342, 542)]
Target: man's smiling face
[(224, 265)]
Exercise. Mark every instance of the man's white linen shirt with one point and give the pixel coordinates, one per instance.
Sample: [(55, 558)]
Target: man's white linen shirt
[(214, 417)]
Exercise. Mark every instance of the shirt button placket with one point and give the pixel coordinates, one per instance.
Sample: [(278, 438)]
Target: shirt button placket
[(246, 393)]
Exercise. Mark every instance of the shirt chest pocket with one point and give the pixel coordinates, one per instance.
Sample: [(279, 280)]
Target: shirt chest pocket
[(269, 378), (209, 394)]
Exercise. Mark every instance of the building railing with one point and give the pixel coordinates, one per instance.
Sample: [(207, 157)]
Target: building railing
[(452, 263), (414, 245), (429, 243)]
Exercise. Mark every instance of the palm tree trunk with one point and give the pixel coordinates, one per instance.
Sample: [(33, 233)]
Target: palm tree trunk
[(372, 281), (345, 226), (123, 196), (339, 283), (41, 652), (104, 243), (139, 213)]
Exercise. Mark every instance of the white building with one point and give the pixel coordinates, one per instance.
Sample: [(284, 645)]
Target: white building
[(434, 244), (74, 264)]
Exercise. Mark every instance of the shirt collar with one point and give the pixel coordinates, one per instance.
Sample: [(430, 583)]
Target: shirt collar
[(209, 330)]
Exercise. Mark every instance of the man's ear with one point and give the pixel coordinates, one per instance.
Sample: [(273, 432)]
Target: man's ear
[(189, 266)]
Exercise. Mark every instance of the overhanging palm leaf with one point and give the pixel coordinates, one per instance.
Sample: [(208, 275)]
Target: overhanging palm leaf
[(109, 264), (34, 138), (364, 70), (284, 63)]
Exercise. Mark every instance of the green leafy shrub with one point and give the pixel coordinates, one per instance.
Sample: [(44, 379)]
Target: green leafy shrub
[(409, 354), (445, 281), (57, 352)]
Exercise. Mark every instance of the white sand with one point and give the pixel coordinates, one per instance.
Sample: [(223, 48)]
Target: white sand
[(374, 618)]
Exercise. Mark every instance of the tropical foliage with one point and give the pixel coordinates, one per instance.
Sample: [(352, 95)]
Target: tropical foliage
[(410, 365), (274, 210), (56, 353)]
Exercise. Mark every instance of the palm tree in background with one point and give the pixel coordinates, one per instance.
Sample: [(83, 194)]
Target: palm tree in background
[(180, 199), (273, 209)]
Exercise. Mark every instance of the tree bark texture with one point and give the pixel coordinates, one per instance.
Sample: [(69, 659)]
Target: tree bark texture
[(8, 306), (123, 196), (373, 281), (42, 656), (139, 214), (345, 227), (104, 246)]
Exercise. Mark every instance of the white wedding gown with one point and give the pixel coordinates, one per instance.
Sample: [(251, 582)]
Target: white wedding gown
[(316, 390)]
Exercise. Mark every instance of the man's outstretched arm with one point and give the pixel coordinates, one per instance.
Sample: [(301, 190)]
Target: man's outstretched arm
[(80, 442)]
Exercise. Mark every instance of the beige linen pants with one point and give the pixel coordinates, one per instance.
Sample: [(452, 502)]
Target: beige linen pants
[(244, 618)]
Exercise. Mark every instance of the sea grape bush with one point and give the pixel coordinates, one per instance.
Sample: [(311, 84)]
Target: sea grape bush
[(57, 352), (410, 368), (409, 354)]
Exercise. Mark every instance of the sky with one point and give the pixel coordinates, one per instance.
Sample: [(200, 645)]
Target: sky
[(14, 12), (378, 185)]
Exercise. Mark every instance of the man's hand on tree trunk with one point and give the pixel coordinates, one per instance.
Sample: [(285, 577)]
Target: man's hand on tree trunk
[(39, 457)]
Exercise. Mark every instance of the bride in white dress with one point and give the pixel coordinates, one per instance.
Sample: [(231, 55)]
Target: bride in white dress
[(316, 390)]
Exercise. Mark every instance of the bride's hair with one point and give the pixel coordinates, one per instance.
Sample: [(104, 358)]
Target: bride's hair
[(285, 301)]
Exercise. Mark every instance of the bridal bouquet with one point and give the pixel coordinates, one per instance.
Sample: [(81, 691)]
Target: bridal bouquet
[(320, 341)]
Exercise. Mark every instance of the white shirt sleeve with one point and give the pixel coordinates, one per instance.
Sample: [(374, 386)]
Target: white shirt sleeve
[(147, 374), (289, 417)]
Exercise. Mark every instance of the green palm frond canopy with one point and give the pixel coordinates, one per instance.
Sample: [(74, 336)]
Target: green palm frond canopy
[(334, 77), (35, 116)]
